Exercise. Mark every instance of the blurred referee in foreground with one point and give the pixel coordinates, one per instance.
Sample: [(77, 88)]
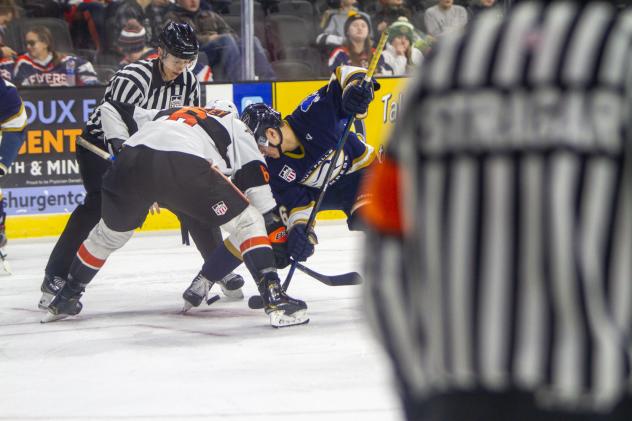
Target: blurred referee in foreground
[(164, 82), (500, 263)]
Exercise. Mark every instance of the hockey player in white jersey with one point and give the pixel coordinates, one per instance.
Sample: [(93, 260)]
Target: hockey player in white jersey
[(181, 157)]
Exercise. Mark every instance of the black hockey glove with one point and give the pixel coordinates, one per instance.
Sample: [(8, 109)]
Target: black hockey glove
[(301, 242), (277, 235), (356, 98), (115, 145)]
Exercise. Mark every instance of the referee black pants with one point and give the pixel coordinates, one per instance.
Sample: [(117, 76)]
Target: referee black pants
[(87, 215), (500, 406)]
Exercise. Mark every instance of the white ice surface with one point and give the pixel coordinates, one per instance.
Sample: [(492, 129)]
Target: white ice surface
[(131, 355)]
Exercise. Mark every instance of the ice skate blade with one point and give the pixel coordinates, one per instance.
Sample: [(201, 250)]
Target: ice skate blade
[(44, 302), (186, 307), (50, 317), (232, 294), (6, 267), (279, 319)]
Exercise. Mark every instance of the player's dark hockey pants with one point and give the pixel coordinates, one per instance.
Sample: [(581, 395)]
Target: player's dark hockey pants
[(88, 214)]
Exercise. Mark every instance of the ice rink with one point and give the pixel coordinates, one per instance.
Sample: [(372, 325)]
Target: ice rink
[(131, 355)]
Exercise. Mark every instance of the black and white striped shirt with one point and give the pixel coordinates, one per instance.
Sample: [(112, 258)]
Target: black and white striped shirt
[(141, 84), (514, 270)]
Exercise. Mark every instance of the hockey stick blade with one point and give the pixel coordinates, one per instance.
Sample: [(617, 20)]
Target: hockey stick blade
[(352, 278)]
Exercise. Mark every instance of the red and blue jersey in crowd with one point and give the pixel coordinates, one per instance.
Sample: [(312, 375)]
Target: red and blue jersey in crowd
[(67, 71), (341, 57), (318, 123)]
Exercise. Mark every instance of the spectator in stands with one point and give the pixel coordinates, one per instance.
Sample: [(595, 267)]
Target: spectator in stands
[(119, 13), (43, 66), (357, 48), (158, 10), (400, 53), (389, 12), (477, 6), (8, 12), (332, 24), (132, 44), (218, 41), (445, 17)]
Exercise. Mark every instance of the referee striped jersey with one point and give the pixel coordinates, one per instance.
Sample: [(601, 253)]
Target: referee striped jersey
[(141, 84), (513, 266)]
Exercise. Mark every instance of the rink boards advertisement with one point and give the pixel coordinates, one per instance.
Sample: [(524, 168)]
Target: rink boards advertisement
[(44, 185)]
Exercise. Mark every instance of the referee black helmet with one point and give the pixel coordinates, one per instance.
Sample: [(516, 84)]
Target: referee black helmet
[(259, 117), (178, 39)]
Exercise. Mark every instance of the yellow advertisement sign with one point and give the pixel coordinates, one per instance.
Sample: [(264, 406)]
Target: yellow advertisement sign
[(382, 111)]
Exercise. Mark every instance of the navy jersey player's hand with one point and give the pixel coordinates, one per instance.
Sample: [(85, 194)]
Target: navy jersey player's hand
[(356, 98), (300, 243)]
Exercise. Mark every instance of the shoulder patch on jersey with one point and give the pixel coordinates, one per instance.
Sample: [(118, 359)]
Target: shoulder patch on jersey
[(176, 101), (307, 102), (288, 174)]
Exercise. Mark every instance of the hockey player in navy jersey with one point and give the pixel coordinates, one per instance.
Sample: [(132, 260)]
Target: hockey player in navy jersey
[(297, 150), (13, 120)]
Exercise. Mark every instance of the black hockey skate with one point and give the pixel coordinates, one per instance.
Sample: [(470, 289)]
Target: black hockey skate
[(200, 287), (66, 303), (5, 267), (283, 310), (231, 286), (50, 287)]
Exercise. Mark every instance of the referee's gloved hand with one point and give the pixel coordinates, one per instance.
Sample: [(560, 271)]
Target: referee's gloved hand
[(301, 241)]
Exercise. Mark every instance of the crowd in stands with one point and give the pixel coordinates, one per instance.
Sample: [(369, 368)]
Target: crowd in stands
[(293, 38)]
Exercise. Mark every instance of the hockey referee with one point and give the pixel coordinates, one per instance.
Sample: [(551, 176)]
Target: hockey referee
[(164, 82), (500, 262)]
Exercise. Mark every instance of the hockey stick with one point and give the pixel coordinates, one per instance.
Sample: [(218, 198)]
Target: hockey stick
[(350, 278), (341, 143), (94, 149)]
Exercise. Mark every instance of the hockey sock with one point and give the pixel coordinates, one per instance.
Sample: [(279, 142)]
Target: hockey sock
[(219, 263), (85, 266), (3, 214), (259, 261)]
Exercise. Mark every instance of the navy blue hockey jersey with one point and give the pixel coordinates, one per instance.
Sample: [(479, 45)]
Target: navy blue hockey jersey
[(6, 68), (318, 122), (12, 113)]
